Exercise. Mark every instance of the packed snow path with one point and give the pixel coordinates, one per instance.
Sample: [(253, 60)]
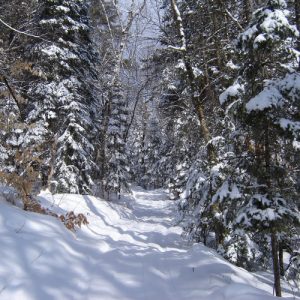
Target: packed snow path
[(129, 250)]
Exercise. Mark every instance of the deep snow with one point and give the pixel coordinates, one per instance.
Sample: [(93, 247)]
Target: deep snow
[(129, 250)]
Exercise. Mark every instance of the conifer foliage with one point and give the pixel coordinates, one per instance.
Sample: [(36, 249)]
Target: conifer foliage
[(242, 200), (65, 96), (59, 93), (116, 175), (212, 114)]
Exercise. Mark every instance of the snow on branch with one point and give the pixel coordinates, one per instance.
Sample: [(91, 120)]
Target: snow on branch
[(178, 20)]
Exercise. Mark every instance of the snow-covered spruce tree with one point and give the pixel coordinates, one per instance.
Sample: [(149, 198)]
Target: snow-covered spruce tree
[(144, 147), (22, 141), (62, 94), (179, 124), (106, 33), (211, 195), (181, 142), (266, 110), (116, 169), (112, 156)]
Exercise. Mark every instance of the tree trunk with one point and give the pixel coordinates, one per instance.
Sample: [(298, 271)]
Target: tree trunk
[(281, 259), (101, 153), (143, 151), (274, 243), (53, 149), (276, 268), (196, 101), (297, 17), (267, 157), (194, 89), (247, 10)]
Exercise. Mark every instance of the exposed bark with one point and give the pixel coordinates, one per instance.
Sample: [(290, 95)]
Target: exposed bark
[(124, 36), (276, 268), (274, 242), (101, 155), (53, 150), (194, 89), (13, 95), (297, 17), (247, 10), (137, 99), (280, 249), (267, 156), (143, 166)]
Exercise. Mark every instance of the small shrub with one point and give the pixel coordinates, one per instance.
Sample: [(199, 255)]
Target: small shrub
[(71, 220)]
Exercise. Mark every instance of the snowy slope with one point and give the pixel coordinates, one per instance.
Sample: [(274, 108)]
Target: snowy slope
[(128, 251)]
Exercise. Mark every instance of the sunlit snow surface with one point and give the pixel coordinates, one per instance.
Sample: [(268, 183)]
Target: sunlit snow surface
[(130, 250)]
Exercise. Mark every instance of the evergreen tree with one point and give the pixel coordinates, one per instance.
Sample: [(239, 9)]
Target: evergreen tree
[(267, 95), (116, 172), (62, 94), (22, 142)]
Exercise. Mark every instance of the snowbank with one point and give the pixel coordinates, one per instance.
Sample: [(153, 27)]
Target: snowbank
[(130, 250)]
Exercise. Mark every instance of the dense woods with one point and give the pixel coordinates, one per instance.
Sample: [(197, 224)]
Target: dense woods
[(206, 105)]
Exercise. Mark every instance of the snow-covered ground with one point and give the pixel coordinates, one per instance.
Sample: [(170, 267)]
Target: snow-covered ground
[(129, 250)]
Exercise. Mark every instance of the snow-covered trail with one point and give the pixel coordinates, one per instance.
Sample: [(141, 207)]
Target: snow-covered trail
[(129, 251)]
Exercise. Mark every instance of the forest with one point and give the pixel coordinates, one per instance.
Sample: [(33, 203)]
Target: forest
[(200, 98)]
